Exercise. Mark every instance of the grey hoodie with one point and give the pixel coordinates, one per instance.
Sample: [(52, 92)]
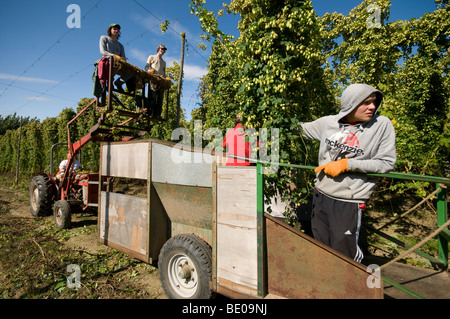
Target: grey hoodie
[(369, 146), (109, 47)]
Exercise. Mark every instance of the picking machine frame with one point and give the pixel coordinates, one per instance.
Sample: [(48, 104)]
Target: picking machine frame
[(73, 189)]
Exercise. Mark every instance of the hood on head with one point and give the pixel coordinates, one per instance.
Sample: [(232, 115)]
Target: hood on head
[(355, 94)]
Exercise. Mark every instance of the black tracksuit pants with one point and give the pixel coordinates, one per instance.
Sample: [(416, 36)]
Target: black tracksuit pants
[(337, 224)]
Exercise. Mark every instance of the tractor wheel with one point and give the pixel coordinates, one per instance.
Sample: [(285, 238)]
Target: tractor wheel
[(61, 214), (185, 268), (42, 195)]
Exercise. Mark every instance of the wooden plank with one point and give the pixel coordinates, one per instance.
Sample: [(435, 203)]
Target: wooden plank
[(235, 290), (237, 255), (237, 267)]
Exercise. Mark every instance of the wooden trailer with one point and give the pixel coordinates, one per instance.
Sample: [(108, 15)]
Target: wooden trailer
[(204, 223)]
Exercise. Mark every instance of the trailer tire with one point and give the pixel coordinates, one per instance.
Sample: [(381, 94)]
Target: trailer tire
[(61, 214), (185, 269), (42, 195)]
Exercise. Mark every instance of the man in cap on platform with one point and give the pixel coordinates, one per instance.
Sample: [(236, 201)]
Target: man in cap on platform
[(157, 66)]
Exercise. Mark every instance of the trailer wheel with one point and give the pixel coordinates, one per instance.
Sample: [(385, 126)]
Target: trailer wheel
[(61, 214), (185, 267), (42, 195)]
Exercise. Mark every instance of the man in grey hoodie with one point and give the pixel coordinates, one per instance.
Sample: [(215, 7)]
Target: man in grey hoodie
[(355, 141)]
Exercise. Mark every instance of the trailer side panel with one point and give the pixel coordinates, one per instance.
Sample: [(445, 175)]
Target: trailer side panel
[(237, 267)]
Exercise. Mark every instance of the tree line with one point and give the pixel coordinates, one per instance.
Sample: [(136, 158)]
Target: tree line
[(289, 65)]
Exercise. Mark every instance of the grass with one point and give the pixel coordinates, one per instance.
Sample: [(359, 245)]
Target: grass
[(34, 263)]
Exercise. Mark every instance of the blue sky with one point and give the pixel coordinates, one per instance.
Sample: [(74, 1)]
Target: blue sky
[(46, 66)]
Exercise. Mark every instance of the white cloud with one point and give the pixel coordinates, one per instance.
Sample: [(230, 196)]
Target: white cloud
[(25, 79), (37, 98), (139, 55), (150, 23), (194, 72)]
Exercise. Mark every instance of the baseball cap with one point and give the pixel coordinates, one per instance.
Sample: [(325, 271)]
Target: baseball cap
[(161, 46), (114, 25)]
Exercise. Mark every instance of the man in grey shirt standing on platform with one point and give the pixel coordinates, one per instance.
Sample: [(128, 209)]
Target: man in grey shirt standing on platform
[(157, 66)]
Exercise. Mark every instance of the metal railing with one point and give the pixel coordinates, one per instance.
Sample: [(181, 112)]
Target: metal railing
[(442, 232)]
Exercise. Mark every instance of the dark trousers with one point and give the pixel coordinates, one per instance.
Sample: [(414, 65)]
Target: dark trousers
[(129, 80), (156, 101), (337, 224)]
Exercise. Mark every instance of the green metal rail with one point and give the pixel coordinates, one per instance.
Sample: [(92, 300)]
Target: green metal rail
[(442, 231)]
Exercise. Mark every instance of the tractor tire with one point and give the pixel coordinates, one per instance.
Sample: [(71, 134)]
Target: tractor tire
[(185, 269), (61, 214), (42, 195)]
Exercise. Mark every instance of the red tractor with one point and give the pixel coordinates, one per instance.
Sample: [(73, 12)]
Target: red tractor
[(71, 189)]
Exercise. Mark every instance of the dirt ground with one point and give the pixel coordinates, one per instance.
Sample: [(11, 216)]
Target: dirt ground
[(35, 255)]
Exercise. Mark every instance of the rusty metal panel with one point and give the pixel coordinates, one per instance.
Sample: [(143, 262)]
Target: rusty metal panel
[(125, 159), (176, 166), (159, 226), (187, 206), (300, 267), (123, 222)]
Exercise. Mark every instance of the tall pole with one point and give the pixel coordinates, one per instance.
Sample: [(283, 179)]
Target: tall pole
[(180, 79), (18, 152)]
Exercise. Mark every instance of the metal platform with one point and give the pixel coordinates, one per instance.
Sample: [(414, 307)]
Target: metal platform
[(420, 282)]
